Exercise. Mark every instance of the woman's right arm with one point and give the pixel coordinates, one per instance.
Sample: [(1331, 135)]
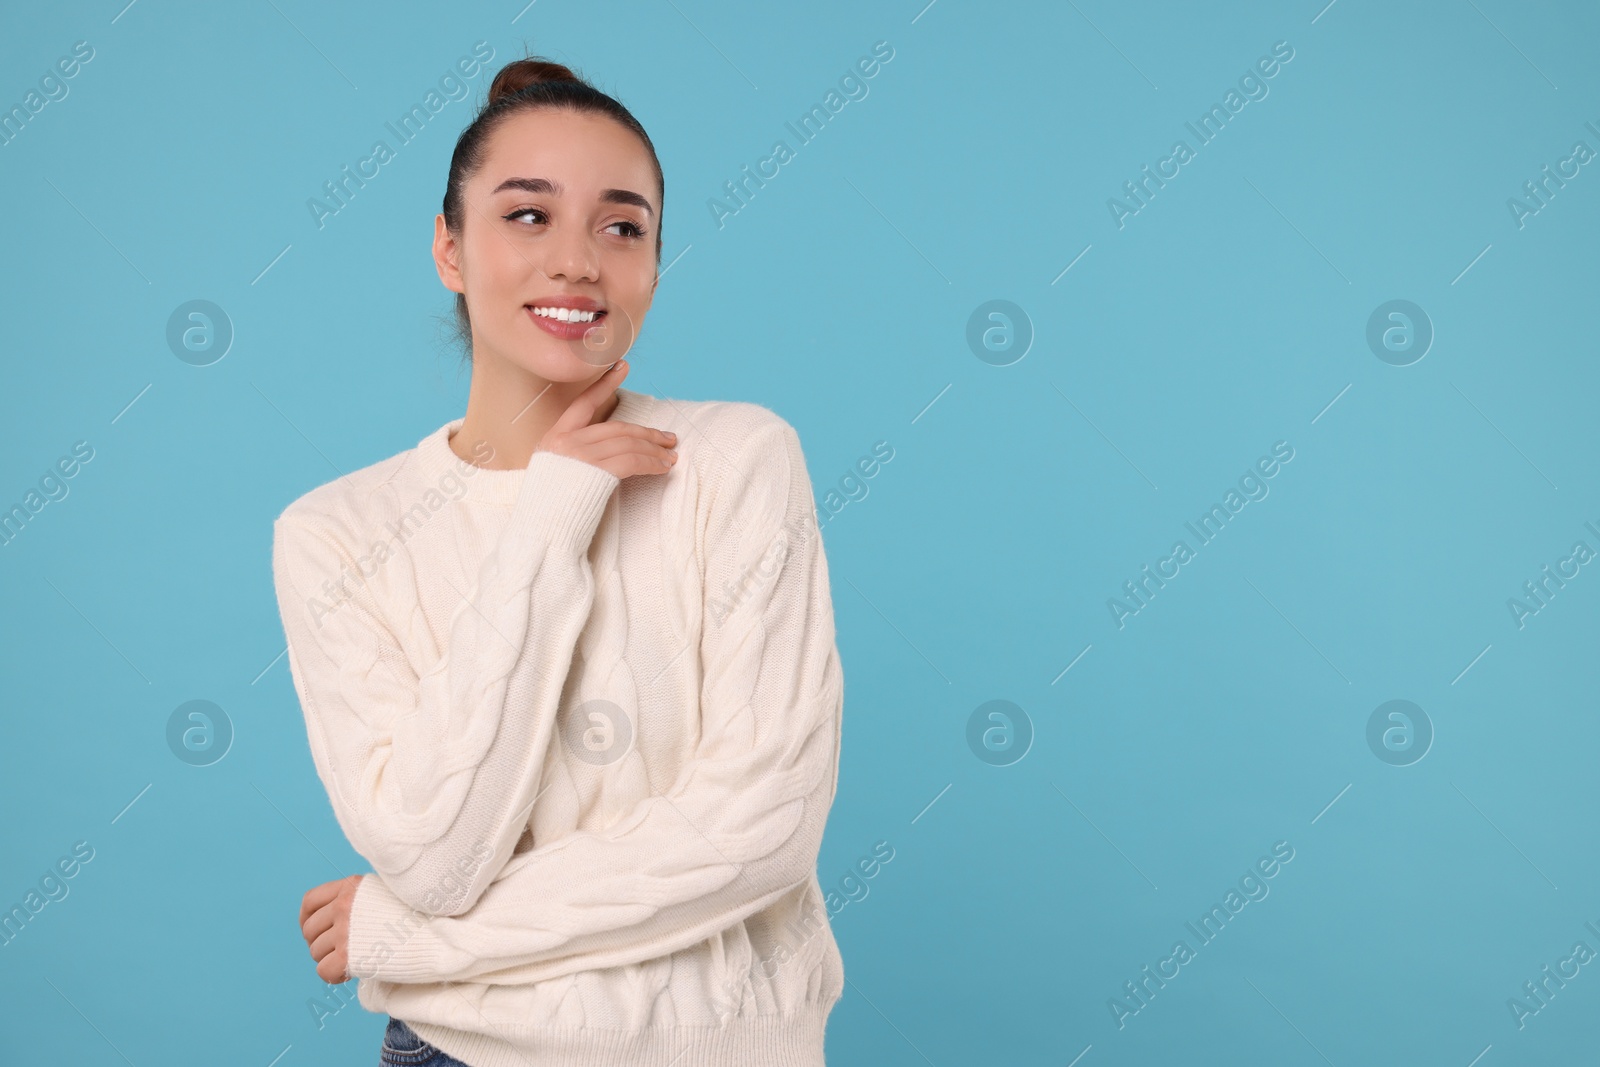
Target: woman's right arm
[(432, 778)]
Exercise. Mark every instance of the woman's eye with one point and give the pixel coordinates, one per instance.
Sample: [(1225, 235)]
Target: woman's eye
[(636, 230), (633, 230)]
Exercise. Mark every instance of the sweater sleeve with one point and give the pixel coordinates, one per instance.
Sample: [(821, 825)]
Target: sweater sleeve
[(743, 822), (433, 776)]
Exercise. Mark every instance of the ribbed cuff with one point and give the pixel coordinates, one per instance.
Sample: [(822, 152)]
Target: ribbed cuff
[(561, 501), (389, 939), (795, 1040)]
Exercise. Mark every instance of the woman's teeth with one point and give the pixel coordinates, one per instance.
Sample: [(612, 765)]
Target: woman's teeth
[(567, 314)]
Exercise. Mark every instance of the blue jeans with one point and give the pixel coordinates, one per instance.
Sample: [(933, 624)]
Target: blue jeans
[(403, 1048)]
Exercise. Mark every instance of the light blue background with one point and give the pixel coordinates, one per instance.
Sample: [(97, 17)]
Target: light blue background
[(1228, 314)]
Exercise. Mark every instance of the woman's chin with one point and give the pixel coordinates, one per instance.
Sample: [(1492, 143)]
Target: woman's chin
[(562, 364)]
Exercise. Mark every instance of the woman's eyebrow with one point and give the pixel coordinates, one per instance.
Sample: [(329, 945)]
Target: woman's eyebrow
[(546, 187)]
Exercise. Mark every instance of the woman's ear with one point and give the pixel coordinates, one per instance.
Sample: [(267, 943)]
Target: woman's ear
[(447, 256)]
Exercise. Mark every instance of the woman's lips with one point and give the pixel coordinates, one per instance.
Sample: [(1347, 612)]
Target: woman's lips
[(567, 331)]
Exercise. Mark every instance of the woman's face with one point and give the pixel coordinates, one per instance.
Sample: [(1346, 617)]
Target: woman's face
[(554, 212)]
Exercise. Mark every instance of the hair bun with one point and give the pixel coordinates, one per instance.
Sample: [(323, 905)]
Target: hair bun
[(521, 73)]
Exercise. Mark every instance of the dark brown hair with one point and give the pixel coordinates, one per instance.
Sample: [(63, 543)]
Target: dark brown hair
[(528, 84)]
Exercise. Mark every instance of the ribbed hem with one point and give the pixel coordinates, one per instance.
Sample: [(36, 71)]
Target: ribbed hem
[(762, 1041)]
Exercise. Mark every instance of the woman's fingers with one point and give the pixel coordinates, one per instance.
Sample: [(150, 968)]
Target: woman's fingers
[(622, 448), (646, 451), (325, 943), (316, 897), (324, 923), (333, 966), (601, 431), (582, 410), (317, 923)]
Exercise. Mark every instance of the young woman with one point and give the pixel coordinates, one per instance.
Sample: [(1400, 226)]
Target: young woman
[(568, 666)]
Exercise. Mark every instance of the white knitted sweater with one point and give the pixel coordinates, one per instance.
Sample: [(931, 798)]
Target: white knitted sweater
[(586, 731)]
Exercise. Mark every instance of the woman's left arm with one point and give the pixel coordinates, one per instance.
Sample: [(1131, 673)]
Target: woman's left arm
[(742, 824)]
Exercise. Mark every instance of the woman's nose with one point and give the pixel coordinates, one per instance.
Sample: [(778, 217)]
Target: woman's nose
[(571, 255)]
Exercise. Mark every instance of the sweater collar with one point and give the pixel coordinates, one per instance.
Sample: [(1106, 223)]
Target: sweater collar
[(438, 462)]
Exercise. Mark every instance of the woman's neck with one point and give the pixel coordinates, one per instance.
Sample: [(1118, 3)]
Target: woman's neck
[(506, 420)]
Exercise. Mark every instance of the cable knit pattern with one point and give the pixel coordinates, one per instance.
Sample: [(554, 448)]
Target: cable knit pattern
[(587, 733)]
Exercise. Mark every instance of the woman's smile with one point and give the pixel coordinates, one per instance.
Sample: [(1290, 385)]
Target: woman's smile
[(569, 318)]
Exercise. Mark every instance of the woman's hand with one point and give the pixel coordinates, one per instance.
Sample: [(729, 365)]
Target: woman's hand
[(622, 448), (325, 924)]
